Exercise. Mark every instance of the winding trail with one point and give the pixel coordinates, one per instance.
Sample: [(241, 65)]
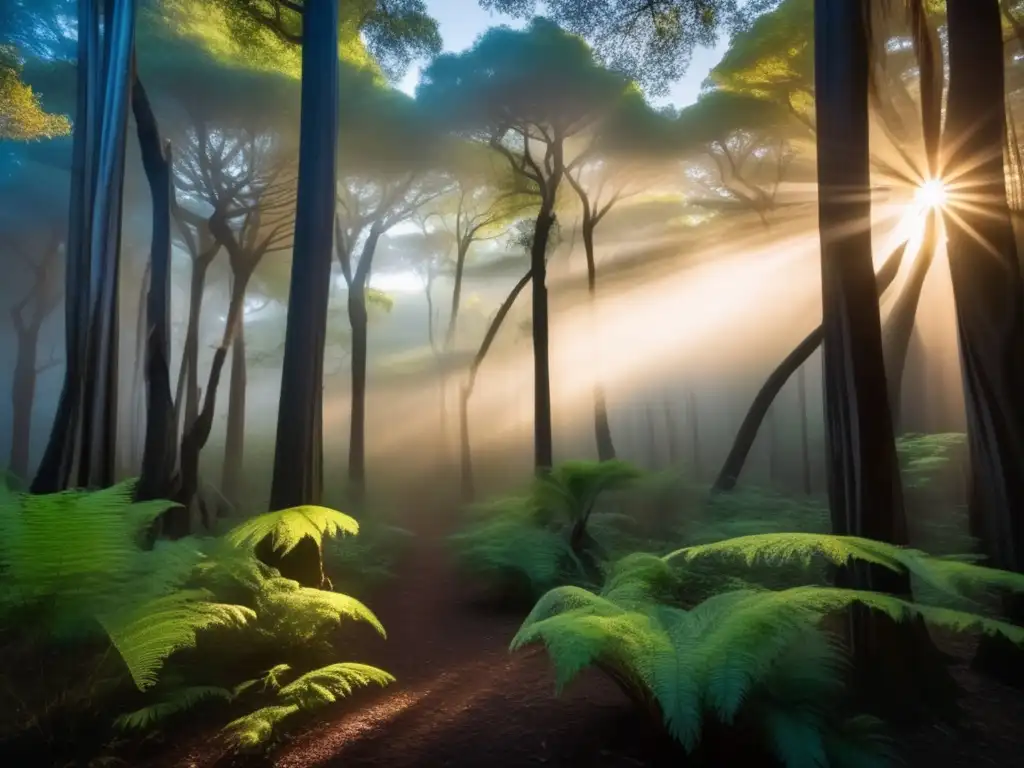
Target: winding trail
[(462, 701)]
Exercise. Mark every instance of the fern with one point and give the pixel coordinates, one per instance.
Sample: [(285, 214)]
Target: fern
[(289, 611), (949, 576), (175, 702), (552, 535), (759, 655), (312, 690), (147, 634), (287, 527)]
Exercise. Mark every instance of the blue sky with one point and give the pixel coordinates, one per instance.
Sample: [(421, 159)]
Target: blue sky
[(462, 21)]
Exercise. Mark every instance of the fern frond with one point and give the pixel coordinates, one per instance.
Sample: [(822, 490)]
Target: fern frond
[(145, 635), (272, 677), (287, 607), (287, 527), (328, 684), (175, 702), (952, 576), (255, 728)]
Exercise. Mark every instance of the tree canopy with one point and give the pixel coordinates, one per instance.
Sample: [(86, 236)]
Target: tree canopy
[(650, 42)]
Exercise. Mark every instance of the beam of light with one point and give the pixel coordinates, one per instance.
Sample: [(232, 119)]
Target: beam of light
[(932, 194)]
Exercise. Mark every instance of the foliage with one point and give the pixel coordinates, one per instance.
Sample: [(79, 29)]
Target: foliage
[(554, 534), (750, 657), (365, 560), (76, 568), (651, 42), (22, 116)]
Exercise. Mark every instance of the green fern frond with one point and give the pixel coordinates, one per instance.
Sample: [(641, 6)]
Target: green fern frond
[(952, 576), (257, 727), (328, 684), (272, 677), (287, 527), (287, 607), (175, 702), (145, 635)]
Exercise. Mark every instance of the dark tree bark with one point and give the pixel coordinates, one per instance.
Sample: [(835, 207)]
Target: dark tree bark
[(896, 665), (234, 445), (297, 450), (989, 296), (747, 433), (159, 451), (602, 427), (302, 375), (28, 317), (358, 318), (465, 452), (543, 447), (694, 419), (80, 450), (899, 326), (805, 449)]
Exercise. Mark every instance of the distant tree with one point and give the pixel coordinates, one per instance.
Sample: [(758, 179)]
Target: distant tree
[(626, 153), (527, 94), (652, 42), (388, 164), (747, 140), (36, 247)]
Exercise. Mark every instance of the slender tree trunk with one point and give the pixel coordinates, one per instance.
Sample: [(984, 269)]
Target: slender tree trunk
[(359, 322), (602, 428), (989, 296), (460, 269), (671, 432), (465, 454), (138, 394), (80, 450), (159, 451), (234, 445), (899, 326), (23, 395), (894, 664), (747, 433), (694, 418), (805, 450), (186, 398), (543, 447), (298, 441)]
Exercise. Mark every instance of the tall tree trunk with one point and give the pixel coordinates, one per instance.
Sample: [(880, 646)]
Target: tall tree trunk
[(137, 396), (297, 446), (80, 450), (694, 419), (186, 398), (989, 297), (460, 269), (899, 326), (602, 428), (729, 475), (671, 433), (358, 318), (893, 663), (234, 444), (543, 447), (23, 395), (805, 449), (468, 489), (159, 451), (359, 322)]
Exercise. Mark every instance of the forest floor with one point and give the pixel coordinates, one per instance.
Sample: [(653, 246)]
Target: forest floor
[(462, 701)]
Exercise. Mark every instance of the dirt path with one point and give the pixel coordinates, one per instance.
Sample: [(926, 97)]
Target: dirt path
[(462, 701)]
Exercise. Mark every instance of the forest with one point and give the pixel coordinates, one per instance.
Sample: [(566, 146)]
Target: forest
[(422, 383)]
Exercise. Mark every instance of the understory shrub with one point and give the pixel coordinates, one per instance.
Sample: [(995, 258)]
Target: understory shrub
[(183, 623), (746, 656), (558, 532)]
